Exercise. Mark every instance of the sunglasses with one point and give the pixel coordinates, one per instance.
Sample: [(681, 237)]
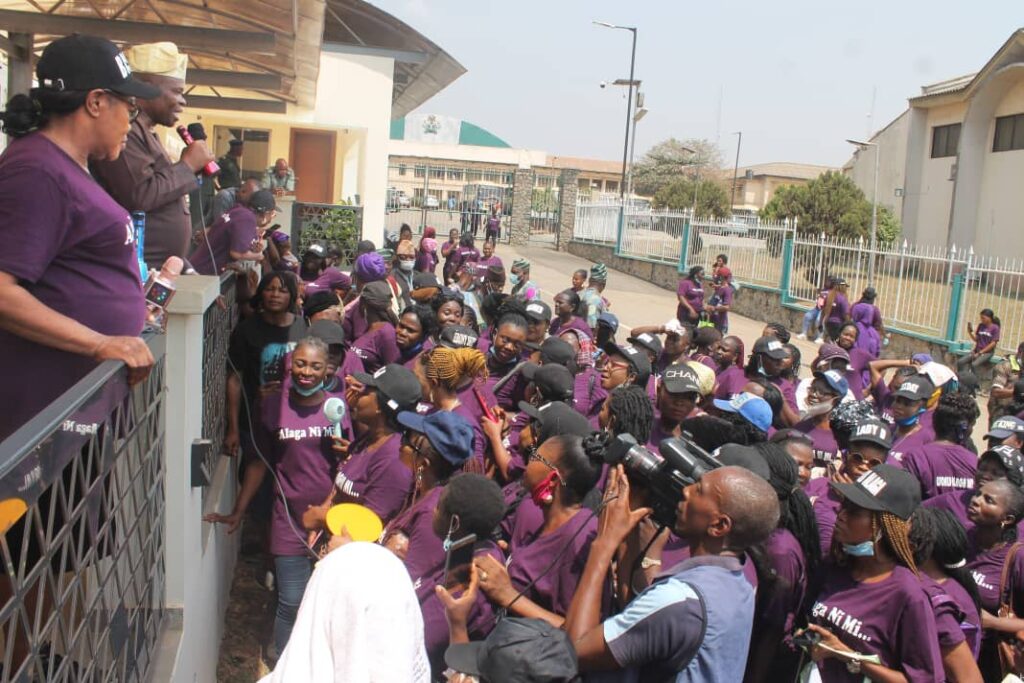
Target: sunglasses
[(861, 459), (133, 107)]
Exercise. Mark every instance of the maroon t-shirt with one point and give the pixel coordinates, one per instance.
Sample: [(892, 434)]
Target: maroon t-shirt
[(826, 450), (575, 323), (906, 444), (693, 293), (729, 382), (892, 618), (425, 550), (825, 503), (786, 594), (72, 247), (724, 295), (377, 348), (233, 231), (941, 467), (378, 480), (955, 502)]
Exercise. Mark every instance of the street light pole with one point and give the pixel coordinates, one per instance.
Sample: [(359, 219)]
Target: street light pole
[(641, 112), (874, 208), (629, 104), (735, 171)]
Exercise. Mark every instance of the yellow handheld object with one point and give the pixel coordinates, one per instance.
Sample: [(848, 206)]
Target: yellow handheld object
[(361, 522)]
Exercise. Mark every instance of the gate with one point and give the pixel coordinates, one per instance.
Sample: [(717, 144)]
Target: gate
[(449, 197), (545, 203)]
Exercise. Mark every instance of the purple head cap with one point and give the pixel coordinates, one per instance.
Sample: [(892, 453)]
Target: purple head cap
[(279, 237), (370, 267)]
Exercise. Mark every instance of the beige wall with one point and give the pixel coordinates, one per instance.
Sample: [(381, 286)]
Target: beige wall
[(936, 188), (892, 163), (999, 223)]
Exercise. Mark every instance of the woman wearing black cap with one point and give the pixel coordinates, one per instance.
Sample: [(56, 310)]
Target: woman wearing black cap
[(235, 236), (378, 346), (69, 286), (871, 616)]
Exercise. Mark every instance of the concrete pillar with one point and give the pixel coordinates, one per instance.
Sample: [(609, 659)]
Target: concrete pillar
[(567, 197), (19, 64), (522, 199), (199, 559)]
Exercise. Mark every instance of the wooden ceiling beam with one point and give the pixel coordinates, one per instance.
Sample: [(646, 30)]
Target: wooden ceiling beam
[(234, 79), (238, 104), (186, 37)]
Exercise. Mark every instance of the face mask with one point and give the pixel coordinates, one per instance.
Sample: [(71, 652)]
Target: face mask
[(308, 392), (406, 265), (514, 279), (813, 410), (760, 369), (452, 528), (912, 420), (865, 549), (544, 492)]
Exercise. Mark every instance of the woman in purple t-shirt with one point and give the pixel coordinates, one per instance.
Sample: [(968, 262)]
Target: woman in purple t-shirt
[(836, 310), (377, 346), (567, 305), (985, 338), (857, 372), (1000, 462), (545, 565), (690, 295), (414, 333), (868, 318), (871, 603), (823, 394), (996, 510)]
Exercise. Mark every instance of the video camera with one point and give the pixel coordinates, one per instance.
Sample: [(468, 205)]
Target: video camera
[(679, 463)]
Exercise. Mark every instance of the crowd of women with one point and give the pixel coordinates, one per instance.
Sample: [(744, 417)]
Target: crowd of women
[(471, 408)]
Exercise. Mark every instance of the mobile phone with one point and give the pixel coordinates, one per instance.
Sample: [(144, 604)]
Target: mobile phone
[(458, 562)]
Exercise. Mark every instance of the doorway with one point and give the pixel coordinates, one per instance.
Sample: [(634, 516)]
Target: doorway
[(312, 160)]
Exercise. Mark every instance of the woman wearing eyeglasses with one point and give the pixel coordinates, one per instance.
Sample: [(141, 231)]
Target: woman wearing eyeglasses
[(70, 294)]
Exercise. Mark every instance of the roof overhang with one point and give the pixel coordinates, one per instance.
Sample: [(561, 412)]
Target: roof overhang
[(962, 88)]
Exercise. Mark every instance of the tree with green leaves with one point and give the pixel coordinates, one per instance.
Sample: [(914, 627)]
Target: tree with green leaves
[(711, 201), (831, 204), (672, 159)]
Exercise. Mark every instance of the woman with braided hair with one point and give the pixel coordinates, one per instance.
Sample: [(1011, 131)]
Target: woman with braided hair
[(940, 546), (944, 465), (455, 381), (793, 553), (628, 410), (995, 510), (872, 617)]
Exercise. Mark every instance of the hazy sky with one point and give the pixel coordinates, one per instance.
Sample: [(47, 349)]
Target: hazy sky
[(796, 76)]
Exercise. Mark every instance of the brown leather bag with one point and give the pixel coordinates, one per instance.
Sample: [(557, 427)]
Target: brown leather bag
[(1011, 654)]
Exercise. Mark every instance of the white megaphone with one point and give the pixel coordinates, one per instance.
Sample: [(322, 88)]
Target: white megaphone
[(334, 411)]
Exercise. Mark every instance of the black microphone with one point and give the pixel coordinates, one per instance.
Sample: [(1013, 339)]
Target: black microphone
[(197, 131)]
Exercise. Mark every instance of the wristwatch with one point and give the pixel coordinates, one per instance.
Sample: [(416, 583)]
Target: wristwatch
[(853, 666), (649, 562)]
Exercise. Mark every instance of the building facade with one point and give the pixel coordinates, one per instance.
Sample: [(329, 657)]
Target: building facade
[(757, 184)]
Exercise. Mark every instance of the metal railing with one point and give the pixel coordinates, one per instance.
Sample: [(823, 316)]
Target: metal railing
[(82, 503), (218, 322), (923, 290), (335, 225)]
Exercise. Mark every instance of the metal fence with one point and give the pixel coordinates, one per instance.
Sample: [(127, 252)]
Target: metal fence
[(924, 290), (335, 225), (82, 499), (218, 322), (545, 207)]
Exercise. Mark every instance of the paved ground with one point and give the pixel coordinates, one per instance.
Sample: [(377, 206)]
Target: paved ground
[(639, 302)]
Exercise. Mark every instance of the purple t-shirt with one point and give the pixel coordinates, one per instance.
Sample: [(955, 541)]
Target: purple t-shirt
[(955, 502), (462, 255), (985, 335), (729, 382), (840, 309), (426, 262), (724, 295), (857, 374), (72, 247), (786, 558), (908, 443), (883, 399), (826, 450), (435, 625), (891, 618), (511, 393), (588, 394), (233, 231), (787, 388), (377, 348), (575, 323), (378, 480), (425, 550), (354, 322), (694, 295), (297, 439), (941, 467), (986, 567), (953, 624), (469, 408), (825, 503), (531, 552)]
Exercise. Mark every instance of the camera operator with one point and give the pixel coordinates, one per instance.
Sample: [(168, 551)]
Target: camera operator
[(694, 623)]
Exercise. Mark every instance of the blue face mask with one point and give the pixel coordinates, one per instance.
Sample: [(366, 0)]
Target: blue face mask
[(912, 420), (514, 279), (760, 369), (865, 549), (308, 392)]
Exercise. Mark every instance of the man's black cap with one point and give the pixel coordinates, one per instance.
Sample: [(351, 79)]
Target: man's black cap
[(82, 63), (556, 418), (518, 651), (457, 337), (883, 488), (262, 201), (557, 351), (647, 341), (397, 383), (538, 311), (554, 382)]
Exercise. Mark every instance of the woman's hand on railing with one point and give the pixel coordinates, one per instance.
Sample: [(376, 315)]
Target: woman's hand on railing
[(232, 521), (132, 351)]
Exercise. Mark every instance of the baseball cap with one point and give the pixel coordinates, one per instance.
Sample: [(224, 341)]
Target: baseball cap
[(1011, 460), (609, 320), (330, 332), (771, 347), (1005, 427), (878, 432), (830, 352), (517, 651), (317, 301), (396, 382), (457, 337), (679, 378), (747, 457), (554, 382), (538, 311), (556, 417), (883, 488), (449, 433), (647, 341), (330, 279), (82, 63), (753, 409), (315, 249), (938, 373), (424, 280), (557, 351), (377, 293), (835, 380), (917, 388), (634, 356)]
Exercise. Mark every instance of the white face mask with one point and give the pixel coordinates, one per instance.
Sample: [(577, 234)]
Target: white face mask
[(816, 409), (406, 265)]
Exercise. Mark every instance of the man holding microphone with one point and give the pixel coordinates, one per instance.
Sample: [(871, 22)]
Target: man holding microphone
[(144, 178)]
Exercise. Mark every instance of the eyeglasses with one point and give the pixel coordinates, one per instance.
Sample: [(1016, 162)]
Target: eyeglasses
[(613, 364), (861, 459), (133, 107), (413, 444), (532, 454)]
